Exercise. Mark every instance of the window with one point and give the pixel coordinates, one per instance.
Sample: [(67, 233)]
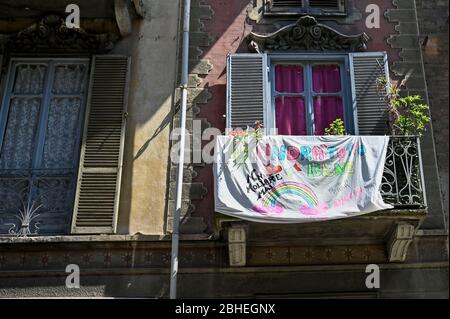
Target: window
[(308, 95), (40, 130), (311, 7), (301, 93), (61, 145)]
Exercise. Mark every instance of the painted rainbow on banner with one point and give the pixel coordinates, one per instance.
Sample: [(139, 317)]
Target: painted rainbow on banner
[(291, 188)]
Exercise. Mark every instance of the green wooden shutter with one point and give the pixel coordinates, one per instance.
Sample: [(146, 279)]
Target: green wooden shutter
[(246, 89), (368, 105), (97, 196)]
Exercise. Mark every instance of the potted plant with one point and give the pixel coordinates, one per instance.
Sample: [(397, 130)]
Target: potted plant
[(407, 114)]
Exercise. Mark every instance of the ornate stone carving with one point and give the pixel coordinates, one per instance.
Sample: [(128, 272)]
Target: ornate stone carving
[(307, 35), (237, 245), (51, 34), (123, 17), (399, 242)]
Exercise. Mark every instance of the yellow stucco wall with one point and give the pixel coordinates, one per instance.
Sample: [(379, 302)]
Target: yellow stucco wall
[(153, 50)]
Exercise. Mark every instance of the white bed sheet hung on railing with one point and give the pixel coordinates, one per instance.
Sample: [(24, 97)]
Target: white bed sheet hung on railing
[(296, 179)]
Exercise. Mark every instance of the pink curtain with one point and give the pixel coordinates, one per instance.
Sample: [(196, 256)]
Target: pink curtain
[(290, 115), (290, 112), (326, 79), (289, 78), (326, 110)]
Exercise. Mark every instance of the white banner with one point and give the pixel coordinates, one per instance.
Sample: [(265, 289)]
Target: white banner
[(295, 179)]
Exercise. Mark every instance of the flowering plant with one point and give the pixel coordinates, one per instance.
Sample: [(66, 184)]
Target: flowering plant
[(244, 141)]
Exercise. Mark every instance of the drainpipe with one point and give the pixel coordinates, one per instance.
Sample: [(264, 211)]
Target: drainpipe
[(179, 184)]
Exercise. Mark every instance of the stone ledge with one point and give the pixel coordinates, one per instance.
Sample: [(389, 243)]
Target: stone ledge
[(214, 270), (432, 233), (99, 238)]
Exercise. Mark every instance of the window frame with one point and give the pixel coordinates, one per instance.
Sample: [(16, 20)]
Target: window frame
[(310, 59), (51, 63), (305, 9)]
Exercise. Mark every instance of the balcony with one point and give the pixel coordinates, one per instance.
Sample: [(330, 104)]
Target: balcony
[(379, 237)]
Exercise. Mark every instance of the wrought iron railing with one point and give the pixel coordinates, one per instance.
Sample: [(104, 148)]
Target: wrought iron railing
[(403, 183), (36, 202)]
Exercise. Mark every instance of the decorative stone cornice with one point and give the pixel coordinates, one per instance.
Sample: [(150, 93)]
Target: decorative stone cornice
[(51, 34), (307, 35)]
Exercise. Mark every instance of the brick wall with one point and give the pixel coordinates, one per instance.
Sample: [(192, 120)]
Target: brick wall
[(220, 27)]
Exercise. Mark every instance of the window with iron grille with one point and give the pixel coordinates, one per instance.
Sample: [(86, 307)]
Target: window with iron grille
[(62, 129), (40, 130), (299, 7)]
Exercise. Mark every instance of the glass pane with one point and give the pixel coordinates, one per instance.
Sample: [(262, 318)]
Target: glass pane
[(29, 79), (326, 78), (18, 144), (290, 115), (70, 79), (326, 110), (289, 78), (62, 132)]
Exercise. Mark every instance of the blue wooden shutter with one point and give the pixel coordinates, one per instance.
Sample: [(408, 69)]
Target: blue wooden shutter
[(97, 197), (368, 105), (246, 89)]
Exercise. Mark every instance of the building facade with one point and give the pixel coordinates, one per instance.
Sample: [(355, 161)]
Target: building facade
[(88, 128)]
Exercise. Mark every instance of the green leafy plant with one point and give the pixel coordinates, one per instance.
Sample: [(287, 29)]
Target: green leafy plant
[(337, 127), (407, 115)]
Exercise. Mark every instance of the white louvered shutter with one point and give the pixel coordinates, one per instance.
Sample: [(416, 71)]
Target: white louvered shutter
[(246, 89), (370, 109), (98, 189)]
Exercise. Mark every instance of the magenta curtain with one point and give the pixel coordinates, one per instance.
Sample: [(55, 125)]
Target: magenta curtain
[(326, 110), (290, 111), (289, 78), (326, 79), (290, 115)]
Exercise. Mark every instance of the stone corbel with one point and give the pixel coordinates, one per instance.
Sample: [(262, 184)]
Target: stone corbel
[(237, 245), (398, 243), (139, 7), (123, 17)]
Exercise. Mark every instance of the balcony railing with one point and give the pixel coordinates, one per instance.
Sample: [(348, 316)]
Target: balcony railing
[(403, 183)]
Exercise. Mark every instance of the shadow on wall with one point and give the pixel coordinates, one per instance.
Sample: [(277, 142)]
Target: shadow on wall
[(153, 50)]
